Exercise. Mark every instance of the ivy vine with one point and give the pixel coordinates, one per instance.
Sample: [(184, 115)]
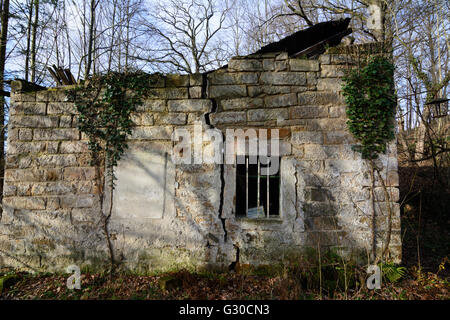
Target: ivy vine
[(371, 104), (105, 104)]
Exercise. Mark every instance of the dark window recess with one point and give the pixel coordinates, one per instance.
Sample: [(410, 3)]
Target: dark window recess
[(254, 198)]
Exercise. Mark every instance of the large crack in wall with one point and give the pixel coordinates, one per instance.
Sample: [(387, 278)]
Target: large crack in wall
[(205, 85)]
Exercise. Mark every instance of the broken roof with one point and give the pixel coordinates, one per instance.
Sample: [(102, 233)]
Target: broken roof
[(311, 41)]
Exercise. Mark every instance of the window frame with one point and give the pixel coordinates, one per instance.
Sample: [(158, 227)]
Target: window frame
[(267, 214)]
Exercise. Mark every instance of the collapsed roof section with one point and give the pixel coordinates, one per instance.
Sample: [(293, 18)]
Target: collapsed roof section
[(312, 41)]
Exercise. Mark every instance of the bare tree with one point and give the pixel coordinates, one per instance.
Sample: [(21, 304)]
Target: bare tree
[(34, 39), (3, 42), (91, 37), (313, 11), (299, 10), (186, 35), (29, 6), (431, 77)]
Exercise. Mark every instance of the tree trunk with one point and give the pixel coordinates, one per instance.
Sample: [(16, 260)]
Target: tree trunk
[(380, 30), (33, 40), (113, 36), (27, 52), (127, 40), (3, 40), (91, 39)]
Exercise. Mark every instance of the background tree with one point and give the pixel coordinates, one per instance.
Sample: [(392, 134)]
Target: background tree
[(3, 42), (185, 35)]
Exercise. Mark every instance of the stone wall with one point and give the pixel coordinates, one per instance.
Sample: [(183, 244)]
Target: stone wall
[(168, 215)]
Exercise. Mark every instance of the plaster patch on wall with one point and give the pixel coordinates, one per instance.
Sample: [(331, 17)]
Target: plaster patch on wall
[(144, 186)]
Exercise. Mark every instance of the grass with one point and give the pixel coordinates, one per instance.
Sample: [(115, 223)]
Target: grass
[(285, 284)]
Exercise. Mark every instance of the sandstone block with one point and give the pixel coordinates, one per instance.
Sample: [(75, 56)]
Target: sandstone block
[(306, 137), (233, 78), (282, 56), (9, 190), (80, 173), (228, 117), (304, 65), (13, 133), (272, 65), (325, 59), (338, 137), (30, 203), (53, 203), (33, 122), (51, 188), (31, 108), (241, 103), (73, 147), (65, 121), (32, 175), (172, 118), (337, 111), (254, 91), (152, 133), (269, 64), (56, 160), (344, 166), (203, 105), (319, 98), (342, 59), (332, 71), (281, 100), (23, 96), (42, 96), (61, 108), (394, 194), (227, 91), (168, 93), (283, 78), (52, 146), (176, 80), (25, 134), (195, 92), (152, 105), (25, 147), (267, 114), (336, 124), (77, 201), (308, 112), (245, 65), (328, 84), (142, 119), (311, 78), (56, 134)]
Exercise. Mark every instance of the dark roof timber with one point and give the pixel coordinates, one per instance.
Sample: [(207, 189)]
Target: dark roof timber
[(311, 41), (19, 85)]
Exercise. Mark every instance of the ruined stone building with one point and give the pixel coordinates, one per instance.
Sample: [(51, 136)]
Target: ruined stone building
[(168, 215)]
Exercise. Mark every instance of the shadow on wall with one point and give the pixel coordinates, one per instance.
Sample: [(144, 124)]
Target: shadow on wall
[(189, 231)]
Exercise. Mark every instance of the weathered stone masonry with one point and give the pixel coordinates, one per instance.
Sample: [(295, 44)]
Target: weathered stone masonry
[(170, 216)]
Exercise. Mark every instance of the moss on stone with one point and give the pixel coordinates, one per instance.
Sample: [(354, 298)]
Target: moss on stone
[(170, 283), (8, 281)]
